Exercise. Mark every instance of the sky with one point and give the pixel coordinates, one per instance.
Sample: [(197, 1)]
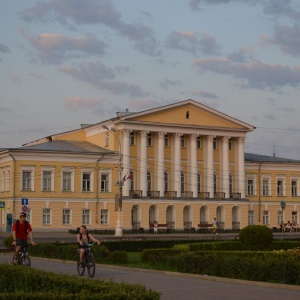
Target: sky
[(72, 62)]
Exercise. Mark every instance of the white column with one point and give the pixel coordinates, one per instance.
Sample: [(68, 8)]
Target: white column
[(241, 166), (126, 160), (225, 166), (194, 165), (143, 163), (177, 164), (210, 166), (160, 163)]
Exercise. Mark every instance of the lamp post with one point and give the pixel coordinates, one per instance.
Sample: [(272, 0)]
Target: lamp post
[(118, 228), (282, 205)]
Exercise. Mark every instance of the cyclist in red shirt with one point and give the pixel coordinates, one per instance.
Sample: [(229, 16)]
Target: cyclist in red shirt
[(21, 229)]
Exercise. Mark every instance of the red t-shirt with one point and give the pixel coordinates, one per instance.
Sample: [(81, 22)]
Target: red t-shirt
[(22, 233)]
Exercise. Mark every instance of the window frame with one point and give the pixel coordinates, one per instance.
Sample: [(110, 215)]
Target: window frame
[(104, 217), (86, 217), (66, 217), (47, 216)]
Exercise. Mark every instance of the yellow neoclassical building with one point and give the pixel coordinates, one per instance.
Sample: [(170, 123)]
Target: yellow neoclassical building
[(181, 165)]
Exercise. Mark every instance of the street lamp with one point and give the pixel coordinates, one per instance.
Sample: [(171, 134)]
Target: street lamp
[(282, 205), (119, 228)]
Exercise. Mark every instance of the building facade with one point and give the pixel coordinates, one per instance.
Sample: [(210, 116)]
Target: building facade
[(181, 165)]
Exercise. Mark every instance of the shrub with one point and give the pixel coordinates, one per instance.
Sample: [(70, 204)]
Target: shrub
[(8, 241), (256, 237), (119, 257)]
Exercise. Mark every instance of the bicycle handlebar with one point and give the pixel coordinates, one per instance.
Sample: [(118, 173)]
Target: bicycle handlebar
[(89, 245)]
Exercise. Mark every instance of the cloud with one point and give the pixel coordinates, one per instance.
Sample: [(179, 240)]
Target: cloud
[(78, 103), (4, 49), (93, 12), (192, 42), (286, 38), (53, 48), (37, 76), (204, 94), (100, 76), (256, 74), (166, 83), (5, 109)]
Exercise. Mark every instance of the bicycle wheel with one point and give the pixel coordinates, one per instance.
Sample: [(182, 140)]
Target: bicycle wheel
[(26, 261), (18, 260), (80, 269), (91, 265)]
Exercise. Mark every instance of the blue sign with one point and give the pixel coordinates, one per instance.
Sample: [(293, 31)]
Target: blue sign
[(25, 201), (2, 204)]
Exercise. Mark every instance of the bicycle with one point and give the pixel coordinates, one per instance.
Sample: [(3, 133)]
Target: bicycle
[(22, 258), (88, 261)]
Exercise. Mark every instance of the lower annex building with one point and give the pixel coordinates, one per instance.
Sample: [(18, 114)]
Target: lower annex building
[(180, 165)]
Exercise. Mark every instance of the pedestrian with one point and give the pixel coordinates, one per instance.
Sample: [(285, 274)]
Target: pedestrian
[(83, 238), (214, 226), (21, 229), (155, 227)]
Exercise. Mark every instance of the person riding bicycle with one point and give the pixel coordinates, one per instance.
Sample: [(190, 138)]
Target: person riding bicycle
[(21, 229), (83, 238)]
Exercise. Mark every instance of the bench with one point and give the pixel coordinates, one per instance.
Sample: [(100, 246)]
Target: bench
[(205, 227), (159, 226)]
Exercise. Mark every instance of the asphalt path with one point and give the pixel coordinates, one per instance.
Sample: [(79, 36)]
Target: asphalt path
[(172, 285)]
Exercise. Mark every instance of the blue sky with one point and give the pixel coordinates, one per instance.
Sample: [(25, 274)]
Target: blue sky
[(71, 62)]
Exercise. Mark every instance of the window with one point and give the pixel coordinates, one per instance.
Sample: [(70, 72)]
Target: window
[(67, 180), (199, 183), (86, 182), (182, 182), (215, 144), (149, 139), (294, 188), (230, 144), (149, 183), (294, 218), (166, 140), (199, 142), (47, 180), (66, 217), (86, 217), (106, 139), (131, 180), (279, 188), (5, 181), (187, 114), (266, 217), (46, 216), (26, 180), (215, 183), (131, 140), (250, 217), (265, 190), (250, 187), (182, 141), (104, 216), (166, 179), (104, 182), (230, 185)]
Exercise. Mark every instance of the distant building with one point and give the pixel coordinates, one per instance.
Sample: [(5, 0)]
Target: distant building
[(181, 164)]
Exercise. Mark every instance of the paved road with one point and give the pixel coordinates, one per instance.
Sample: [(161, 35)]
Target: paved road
[(175, 286)]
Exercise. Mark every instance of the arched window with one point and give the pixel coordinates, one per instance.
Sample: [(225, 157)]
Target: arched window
[(182, 182), (166, 179)]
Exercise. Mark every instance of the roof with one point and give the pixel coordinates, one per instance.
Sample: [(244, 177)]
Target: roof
[(67, 146), (250, 157)]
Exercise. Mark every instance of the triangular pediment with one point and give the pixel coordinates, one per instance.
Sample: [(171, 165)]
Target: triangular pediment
[(188, 113)]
